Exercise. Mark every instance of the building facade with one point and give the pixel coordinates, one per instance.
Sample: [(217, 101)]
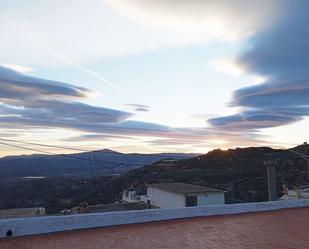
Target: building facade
[(129, 195), (174, 195)]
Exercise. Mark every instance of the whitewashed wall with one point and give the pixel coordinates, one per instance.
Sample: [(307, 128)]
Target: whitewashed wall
[(48, 224), (164, 199), (211, 199)]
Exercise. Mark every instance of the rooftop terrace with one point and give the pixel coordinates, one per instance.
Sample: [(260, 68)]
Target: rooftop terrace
[(286, 228)]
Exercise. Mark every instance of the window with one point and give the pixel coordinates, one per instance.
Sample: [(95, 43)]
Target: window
[(191, 201)]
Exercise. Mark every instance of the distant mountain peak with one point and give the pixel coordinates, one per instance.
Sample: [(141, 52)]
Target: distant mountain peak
[(107, 151)]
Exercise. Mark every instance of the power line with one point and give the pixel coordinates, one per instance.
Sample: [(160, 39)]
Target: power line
[(59, 155), (303, 156), (91, 167), (95, 159), (85, 150), (46, 145), (99, 162)]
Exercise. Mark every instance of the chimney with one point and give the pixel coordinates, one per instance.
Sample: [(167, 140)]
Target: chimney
[(285, 191)]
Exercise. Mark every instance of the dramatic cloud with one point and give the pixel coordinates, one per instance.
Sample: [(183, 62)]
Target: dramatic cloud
[(29, 103), (32, 104), (139, 108), (33, 101), (122, 27), (251, 121), (17, 87), (95, 137), (280, 54), (18, 68), (276, 94), (278, 51), (226, 19)]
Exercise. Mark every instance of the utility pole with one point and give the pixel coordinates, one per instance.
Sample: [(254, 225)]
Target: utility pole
[(271, 179), (308, 170)]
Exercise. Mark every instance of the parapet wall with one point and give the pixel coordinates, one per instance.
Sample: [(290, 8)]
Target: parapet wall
[(48, 224)]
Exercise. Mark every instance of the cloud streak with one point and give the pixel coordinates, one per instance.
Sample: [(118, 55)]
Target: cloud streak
[(78, 66)]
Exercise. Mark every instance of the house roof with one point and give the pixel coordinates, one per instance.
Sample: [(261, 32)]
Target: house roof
[(286, 228), (184, 188)]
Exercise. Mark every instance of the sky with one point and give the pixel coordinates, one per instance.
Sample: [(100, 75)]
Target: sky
[(154, 76)]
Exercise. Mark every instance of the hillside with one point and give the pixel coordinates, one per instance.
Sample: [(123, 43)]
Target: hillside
[(237, 171), (102, 162), (240, 172)]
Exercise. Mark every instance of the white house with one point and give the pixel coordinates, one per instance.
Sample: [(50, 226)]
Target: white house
[(129, 195), (297, 193), (174, 195)]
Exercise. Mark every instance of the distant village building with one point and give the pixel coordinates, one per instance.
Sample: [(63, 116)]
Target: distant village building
[(21, 212), (129, 195), (174, 195), (297, 193)]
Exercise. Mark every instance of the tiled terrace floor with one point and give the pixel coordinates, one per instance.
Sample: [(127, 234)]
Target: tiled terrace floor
[(277, 229)]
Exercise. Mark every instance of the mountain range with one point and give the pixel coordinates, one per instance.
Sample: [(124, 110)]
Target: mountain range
[(85, 164), (240, 172)]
